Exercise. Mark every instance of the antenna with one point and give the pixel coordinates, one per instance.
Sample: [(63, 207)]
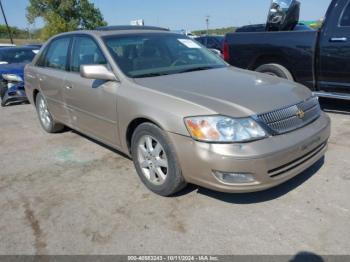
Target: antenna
[(207, 21), (7, 25)]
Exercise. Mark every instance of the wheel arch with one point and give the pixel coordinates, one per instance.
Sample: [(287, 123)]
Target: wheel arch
[(132, 127), (269, 59), (35, 93), (277, 60)]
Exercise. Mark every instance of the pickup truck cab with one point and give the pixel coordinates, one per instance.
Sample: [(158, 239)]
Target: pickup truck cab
[(319, 59)]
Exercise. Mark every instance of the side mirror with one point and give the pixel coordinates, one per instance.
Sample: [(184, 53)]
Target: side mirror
[(283, 15), (98, 72)]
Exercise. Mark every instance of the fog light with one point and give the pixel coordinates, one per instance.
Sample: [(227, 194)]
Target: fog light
[(234, 178)]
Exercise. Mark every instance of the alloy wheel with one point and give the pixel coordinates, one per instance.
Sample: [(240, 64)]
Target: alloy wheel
[(152, 160), (44, 114)]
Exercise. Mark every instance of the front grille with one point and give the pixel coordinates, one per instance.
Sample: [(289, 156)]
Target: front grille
[(291, 118)]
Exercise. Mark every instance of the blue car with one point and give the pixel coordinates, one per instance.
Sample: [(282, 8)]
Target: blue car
[(12, 63)]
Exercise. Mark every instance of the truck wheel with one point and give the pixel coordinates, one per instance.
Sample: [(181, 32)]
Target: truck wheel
[(275, 70), (46, 120), (155, 160)]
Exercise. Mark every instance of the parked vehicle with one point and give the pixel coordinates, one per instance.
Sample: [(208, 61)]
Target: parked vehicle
[(2, 45), (212, 42), (180, 112), (12, 89), (319, 59), (262, 28), (12, 62), (37, 46)]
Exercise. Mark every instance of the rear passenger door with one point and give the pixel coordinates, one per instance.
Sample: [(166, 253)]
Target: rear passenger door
[(50, 75), (92, 103)]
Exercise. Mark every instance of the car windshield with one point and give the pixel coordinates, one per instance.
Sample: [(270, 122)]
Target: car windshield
[(150, 55), (12, 56)]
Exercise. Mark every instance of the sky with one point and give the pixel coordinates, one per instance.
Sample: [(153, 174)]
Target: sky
[(176, 14)]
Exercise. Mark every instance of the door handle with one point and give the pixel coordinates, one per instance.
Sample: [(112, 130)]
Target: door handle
[(68, 87), (338, 39)]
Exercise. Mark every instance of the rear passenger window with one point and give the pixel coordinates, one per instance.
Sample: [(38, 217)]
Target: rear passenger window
[(345, 20), (56, 55), (86, 52)]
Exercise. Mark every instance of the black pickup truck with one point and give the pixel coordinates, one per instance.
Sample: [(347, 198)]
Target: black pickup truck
[(319, 59)]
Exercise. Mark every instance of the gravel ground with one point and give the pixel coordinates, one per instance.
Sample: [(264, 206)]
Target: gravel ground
[(67, 194)]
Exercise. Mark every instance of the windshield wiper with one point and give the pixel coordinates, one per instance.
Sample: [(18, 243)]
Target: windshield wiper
[(199, 68), (150, 75)]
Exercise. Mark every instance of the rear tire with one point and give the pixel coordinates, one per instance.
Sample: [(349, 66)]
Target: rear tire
[(45, 118), (275, 70), (155, 160)]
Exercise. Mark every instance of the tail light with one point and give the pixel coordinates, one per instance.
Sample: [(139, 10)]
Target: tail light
[(226, 52)]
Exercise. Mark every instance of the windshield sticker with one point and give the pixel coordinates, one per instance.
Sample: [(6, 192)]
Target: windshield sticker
[(189, 43)]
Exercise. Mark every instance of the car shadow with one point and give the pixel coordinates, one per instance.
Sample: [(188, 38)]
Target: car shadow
[(335, 106), (258, 197), (67, 129)]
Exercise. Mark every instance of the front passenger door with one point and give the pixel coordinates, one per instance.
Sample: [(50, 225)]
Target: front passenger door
[(92, 103), (334, 66)]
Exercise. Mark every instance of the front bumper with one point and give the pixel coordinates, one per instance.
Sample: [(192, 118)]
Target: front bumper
[(17, 96), (271, 161)]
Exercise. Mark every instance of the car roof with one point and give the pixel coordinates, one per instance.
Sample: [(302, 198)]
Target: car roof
[(120, 30), (18, 48), (130, 27)]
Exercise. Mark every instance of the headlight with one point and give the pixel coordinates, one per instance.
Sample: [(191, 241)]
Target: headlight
[(224, 129), (12, 78)]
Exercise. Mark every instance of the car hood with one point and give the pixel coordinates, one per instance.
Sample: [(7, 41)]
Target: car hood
[(17, 69), (230, 91)]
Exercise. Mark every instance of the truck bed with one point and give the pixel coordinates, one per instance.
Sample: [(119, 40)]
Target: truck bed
[(294, 50)]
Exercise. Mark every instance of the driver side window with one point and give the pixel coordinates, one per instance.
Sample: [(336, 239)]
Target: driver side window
[(86, 52)]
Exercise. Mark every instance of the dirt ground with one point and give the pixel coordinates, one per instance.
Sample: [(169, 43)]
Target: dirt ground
[(67, 194)]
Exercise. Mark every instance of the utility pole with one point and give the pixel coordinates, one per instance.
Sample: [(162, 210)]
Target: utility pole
[(207, 21), (7, 25)]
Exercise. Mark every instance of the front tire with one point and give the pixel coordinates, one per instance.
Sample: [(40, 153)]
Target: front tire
[(275, 70), (3, 89), (155, 160), (45, 118)]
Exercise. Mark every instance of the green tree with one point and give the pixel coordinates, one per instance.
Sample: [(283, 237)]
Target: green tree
[(218, 31), (64, 15), (16, 32)]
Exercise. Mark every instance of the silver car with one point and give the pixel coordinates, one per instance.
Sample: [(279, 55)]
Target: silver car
[(180, 112)]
